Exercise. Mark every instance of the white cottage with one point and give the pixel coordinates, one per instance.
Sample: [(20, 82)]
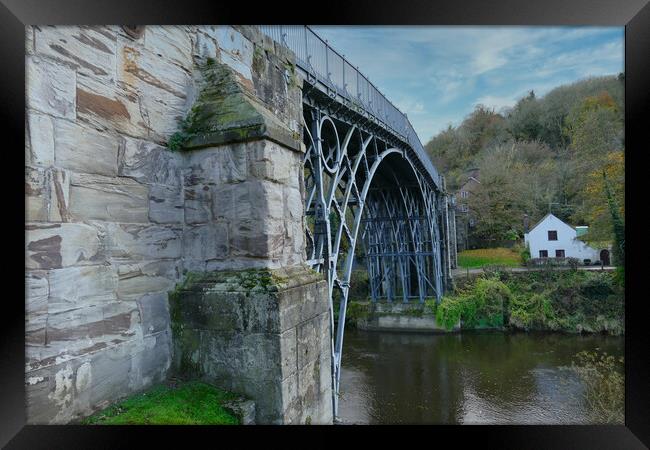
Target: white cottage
[(552, 238)]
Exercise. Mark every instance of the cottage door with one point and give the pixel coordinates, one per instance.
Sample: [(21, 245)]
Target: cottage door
[(604, 257)]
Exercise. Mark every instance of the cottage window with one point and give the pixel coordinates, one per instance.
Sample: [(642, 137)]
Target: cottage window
[(559, 253), (463, 194), (543, 253), (552, 235)]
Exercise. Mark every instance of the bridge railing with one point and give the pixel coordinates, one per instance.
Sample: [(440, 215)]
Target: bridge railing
[(338, 75)]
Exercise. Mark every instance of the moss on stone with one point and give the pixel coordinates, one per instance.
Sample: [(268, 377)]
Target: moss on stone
[(258, 60), (227, 110)]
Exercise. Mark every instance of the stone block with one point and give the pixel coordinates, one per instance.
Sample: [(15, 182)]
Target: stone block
[(257, 239), (122, 318), (72, 288), (147, 277), (227, 333), (270, 161), (51, 246), (294, 206), (310, 340), (204, 46), (108, 198), (36, 293), (90, 50), (108, 107), (154, 313), (109, 321), (197, 204), (40, 130), (83, 149), (161, 88), (143, 241), (152, 364), (205, 242), (251, 200), (59, 191), (111, 368), (148, 72), (289, 352), (254, 356), (171, 42), (235, 50), (218, 165), (303, 303), (149, 163), (75, 325), (51, 87), (243, 409), (36, 198), (166, 204), (49, 394)]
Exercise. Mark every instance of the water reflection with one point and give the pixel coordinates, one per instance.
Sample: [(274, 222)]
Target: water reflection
[(464, 378)]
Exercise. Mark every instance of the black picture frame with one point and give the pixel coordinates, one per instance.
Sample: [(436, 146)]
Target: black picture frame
[(633, 14)]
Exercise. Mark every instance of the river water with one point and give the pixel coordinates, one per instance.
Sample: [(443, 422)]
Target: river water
[(479, 378)]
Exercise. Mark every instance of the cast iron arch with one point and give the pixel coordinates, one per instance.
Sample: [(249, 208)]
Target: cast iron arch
[(398, 218)]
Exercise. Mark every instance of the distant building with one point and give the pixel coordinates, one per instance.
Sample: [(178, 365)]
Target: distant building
[(553, 238), (465, 219)]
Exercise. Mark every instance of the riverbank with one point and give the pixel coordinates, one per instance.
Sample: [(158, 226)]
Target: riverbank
[(550, 299), (570, 301)]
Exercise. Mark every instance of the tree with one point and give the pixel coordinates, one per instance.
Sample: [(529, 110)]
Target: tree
[(524, 119), (595, 128), (618, 225), (548, 150), (595, 205)]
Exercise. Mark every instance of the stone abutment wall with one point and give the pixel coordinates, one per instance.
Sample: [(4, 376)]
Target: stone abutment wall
[(115, 220)]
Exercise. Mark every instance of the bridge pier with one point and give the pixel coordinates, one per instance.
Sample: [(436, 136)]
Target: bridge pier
[(256, 320)]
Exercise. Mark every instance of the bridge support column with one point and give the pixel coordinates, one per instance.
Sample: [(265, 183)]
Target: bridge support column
[(250, 316)]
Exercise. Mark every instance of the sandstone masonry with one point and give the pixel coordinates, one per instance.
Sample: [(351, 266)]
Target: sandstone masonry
[(115, 220)]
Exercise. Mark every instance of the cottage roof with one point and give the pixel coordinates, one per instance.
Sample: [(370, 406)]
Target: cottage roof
[(544, 218)]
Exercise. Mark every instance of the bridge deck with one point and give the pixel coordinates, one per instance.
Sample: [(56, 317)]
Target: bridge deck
[(335, 76)]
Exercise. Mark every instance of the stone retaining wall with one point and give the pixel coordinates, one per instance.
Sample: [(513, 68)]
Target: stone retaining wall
[(398, 316)]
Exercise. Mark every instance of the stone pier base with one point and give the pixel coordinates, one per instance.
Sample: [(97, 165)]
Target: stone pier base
[(264, 333)]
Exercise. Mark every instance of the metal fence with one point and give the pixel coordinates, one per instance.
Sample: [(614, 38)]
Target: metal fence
[(338, 75)]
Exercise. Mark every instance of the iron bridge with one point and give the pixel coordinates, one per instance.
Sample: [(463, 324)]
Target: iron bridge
[(368, 181)]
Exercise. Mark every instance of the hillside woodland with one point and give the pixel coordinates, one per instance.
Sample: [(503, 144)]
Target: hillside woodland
[(562, 152)]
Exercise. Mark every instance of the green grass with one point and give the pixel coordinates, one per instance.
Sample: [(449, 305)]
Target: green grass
[(473, 259), (191, 403)]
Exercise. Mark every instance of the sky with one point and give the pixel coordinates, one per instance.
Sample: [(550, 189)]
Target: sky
[(438, 74)]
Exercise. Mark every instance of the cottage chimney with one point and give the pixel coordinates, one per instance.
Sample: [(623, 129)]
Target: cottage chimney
[(525, 223)]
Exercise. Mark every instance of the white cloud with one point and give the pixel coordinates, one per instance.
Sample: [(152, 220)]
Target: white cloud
[(437, 75), (497, 103)]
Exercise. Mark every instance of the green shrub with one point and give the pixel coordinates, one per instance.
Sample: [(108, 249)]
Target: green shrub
[(602, 377), (356, 311), (524, 254), (494, 271), (359, 284), (450, 310), (533, 312), (484, 305), (619, 276)]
